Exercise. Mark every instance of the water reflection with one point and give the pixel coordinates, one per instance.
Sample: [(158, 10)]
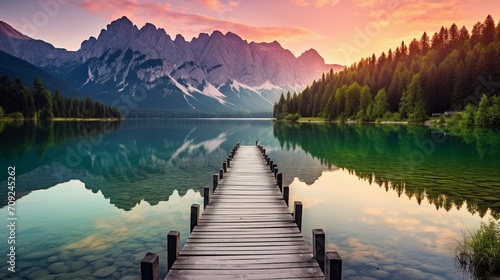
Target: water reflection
[(419, 162), (144, 160), (378, 234), (96, 236), (100, 201), (18, 137)]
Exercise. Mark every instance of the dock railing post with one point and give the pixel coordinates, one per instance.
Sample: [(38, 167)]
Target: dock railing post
[(228, 160), (150, 267), (297, 214), (206, 196), (286, 194), (221, 174), (333, 266), (318, 240), (279, 181), (215, 181), (195, 216), (224, 166), (276, 171), (173, 247)]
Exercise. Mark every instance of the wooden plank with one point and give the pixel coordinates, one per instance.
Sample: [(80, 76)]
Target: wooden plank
[(197, 248), (284, 223), (239, 252), (241, 265), (264, 258), (228, 260), (243, 235), (283, 273), (247, 240), (243, 243), (229, 212), (242, 218), (249, 216), (246, 230)]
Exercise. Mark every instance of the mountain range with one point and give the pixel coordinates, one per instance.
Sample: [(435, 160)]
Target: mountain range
[(145, 70)]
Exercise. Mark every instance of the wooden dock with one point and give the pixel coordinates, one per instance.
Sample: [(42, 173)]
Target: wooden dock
[(246, 230)]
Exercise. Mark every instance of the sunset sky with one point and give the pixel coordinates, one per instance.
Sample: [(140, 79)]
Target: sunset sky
[(342, 31)]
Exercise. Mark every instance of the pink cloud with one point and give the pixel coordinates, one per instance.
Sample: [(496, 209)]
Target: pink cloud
[(430, 11), (413, 11), (219, 6), (366, 3), (190, 24), (316, 3)]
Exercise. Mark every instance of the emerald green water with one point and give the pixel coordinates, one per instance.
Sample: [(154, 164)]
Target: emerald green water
[(93, 198)]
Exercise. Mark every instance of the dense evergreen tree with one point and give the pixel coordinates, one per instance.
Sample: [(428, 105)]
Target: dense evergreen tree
[(430, 75), (380, 105), (18, 101)]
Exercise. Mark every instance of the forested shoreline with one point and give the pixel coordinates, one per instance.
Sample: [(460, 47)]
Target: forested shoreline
[(17, 101), (447, 72)]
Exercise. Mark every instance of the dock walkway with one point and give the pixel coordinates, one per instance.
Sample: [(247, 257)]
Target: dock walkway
[(246, 231)]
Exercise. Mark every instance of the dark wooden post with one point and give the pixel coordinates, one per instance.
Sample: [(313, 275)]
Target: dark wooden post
[(333, 266), (286, 194), (276, 171), (318, 240), (173, 247), (195, 216), (279, 181), (224, 166), (206, 197), (221, 174), (271, 165), (150, 267), (264, 151), (228, 160), (268, 160), (215, 181), (256, 142), (297, 214)]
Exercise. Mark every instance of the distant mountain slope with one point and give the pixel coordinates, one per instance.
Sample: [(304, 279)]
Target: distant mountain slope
[(210, 73), (14, 67)]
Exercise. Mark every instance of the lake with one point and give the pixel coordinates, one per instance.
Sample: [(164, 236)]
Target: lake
[(93, 198)]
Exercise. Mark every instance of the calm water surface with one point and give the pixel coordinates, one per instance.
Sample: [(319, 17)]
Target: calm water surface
[(93, 198)]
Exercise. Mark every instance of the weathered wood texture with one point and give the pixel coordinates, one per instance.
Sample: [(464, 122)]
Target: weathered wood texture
[(246, 231)]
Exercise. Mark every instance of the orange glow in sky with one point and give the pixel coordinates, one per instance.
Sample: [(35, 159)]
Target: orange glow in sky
[(342, 31)]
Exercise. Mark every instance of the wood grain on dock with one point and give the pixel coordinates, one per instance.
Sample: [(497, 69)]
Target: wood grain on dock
[(246, 231)]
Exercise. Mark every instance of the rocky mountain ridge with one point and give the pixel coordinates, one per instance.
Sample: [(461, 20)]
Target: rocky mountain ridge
[(211, 73)]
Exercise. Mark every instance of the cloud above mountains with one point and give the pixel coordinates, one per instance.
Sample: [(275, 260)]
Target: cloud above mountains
[(165, 16)]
